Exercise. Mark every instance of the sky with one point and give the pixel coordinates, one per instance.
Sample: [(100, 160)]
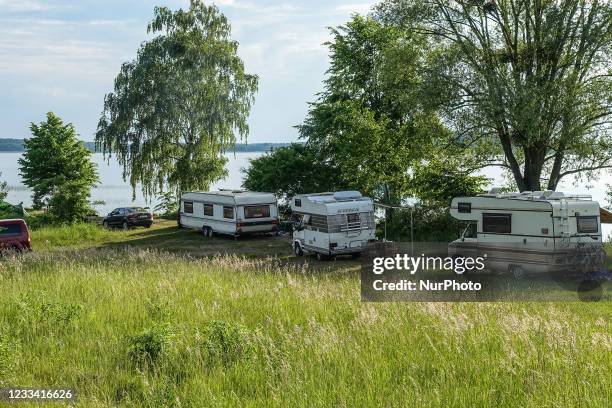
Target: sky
[(63, 56)]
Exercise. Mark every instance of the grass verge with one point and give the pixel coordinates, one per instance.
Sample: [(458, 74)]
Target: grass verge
[(150, 329)]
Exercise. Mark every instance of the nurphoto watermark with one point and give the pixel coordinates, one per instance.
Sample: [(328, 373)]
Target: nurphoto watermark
[(426, 271)]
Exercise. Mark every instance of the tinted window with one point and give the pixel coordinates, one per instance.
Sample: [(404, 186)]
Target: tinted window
[(498, 223), (587, 225), (136, 210), (464, 207), (318, 222), (257, 211), (352, 218), (208, 209), (10, 229), (188, 207), (228, 212), (298, 202)]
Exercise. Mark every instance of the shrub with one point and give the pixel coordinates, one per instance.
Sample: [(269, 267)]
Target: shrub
[(150, 345), (35, 309), (226, 343)]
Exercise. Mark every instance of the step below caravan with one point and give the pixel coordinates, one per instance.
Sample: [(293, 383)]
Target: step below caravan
[(530, 232), (330, 224)]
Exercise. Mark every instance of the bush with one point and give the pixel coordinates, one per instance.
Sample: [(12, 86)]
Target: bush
[(226, 343), (430, 223), (150, 345)]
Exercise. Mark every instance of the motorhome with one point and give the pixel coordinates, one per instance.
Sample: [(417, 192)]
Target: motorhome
[(230, 212), (541, 231), (330, 224)]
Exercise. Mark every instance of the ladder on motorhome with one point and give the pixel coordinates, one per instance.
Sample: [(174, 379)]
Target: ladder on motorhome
[(564, 220)]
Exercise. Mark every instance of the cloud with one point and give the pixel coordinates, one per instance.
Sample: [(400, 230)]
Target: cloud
[(361, 8), (25, 6)]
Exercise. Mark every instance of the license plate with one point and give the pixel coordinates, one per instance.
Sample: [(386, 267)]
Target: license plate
[(143, 216)]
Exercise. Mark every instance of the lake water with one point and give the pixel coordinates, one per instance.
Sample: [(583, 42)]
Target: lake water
[(112, 189), (117, 193)]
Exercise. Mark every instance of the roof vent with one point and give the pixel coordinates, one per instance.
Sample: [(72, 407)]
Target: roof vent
[(347, 195)]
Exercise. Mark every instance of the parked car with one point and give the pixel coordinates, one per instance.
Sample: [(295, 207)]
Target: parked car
[(14, 235), (126, 217)]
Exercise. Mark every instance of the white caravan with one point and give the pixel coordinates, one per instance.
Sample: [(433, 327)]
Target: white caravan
[(331, 224), (541, 231), (230, 212)]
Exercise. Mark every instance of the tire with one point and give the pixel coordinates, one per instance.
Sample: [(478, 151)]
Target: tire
[(104, 224), (205, 231), (356, 255), (517, 271), (322, 257), (147, 225), (297, 249), (125, 226)]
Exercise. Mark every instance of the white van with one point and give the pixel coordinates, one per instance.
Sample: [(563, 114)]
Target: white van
[(230, 212), (331, 224), (541, 231)]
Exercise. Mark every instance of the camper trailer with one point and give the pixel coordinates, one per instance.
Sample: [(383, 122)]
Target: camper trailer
[(230, 212), (331, 224), (530, 232)]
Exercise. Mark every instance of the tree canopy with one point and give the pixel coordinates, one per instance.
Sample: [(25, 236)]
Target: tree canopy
[(290, 170), (368, 123), (527, 83), (180, 104), (56, 162)]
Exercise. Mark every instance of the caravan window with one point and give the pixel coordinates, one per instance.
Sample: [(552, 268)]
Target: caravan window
[(208, 210), (188, 207), (587, 225), (464, 207), (228, 212), (257, 211), (497, 223)]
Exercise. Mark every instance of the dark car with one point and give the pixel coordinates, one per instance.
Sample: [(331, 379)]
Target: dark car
[(14, 235), (126, 217)]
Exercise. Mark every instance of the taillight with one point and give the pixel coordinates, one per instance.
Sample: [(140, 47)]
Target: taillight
[(150, 216), (239, 224), (274, 222)]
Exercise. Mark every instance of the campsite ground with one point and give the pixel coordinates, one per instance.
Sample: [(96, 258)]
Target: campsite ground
[(152, 318)]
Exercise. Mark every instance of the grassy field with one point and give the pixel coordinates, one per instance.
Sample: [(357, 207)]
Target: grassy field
[(124, 324)]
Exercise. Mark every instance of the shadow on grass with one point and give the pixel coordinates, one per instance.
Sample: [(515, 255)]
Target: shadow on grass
[(169, 238)]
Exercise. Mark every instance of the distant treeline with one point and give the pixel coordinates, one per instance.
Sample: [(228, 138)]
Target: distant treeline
[(16, 145)]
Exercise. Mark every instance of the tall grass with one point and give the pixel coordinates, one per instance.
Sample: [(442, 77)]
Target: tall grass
[(142, 328)]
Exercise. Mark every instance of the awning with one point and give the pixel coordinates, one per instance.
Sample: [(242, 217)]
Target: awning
[(605, 215)]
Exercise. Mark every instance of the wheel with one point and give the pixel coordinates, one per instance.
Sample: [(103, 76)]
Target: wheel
[(125, 225), (147, 225), (356, 255), (322, 257), (205, 231), (105, 224), (297, 249)]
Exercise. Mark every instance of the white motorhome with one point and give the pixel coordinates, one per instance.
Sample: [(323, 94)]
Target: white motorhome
[(541, 231), (331, 224), (230, 212)]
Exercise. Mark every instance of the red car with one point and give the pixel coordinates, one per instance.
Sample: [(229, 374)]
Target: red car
[(14, 235)]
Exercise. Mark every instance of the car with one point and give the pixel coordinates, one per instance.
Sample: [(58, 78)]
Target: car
[(14, 235), (126, 217)]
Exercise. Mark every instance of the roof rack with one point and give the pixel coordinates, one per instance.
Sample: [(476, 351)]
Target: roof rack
[(536, 195)]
